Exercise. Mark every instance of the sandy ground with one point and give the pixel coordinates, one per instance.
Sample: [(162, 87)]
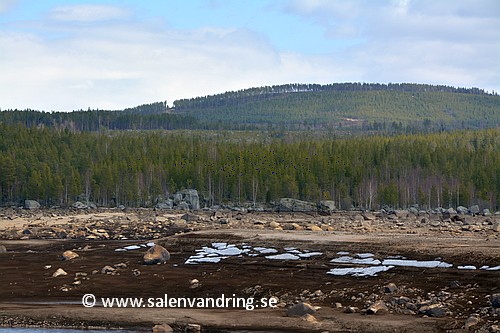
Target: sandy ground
[(30, 295)]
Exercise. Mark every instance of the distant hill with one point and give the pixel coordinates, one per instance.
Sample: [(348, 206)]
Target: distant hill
[(373, 106), (343, 107)]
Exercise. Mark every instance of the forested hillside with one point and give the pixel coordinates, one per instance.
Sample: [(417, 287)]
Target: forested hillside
[(345, 108), (403, 107), (132, 168)]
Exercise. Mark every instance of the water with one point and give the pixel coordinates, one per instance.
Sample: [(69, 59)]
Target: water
[(218, 251)]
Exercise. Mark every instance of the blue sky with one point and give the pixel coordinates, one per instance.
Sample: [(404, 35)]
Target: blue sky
[(112, 54)]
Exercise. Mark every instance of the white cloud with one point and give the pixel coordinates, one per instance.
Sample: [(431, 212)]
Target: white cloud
[(117, 62), (88, 13)]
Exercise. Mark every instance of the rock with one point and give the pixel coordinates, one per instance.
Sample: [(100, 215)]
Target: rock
[(157, 254), (474, 209), (300, 309), (31, 204), (309, 318), (454, 284), (3, 249), (413, 210), (108, 270), (192, 328), (496, 227), (495, 300), (59, 272), (183, 205), (378, 307), (79, 205), (162, 328), (326, 207), (136, 272), (450, 211), (401, 213), (471, 321), (434, 310), (315, 228), (189, 197), (486, 212), (338, 305), (351, 309), (294, 205), (189, 217), (274, 224), (168, 204), (462, 210), (435, 223), (390, 288), (69, 255), (194, 283)]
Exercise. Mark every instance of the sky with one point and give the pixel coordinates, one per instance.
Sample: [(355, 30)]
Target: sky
[(68, 55)]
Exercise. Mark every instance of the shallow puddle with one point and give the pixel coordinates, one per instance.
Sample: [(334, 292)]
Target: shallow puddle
[(219, 251)]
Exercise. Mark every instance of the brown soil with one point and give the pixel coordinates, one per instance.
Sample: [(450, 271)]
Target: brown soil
[(31, 296)]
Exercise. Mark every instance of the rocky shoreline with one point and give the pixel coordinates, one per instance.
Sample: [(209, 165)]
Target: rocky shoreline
[(101, 250)]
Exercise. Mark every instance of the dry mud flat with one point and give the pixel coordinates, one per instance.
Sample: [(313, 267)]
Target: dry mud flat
[(428, 276)]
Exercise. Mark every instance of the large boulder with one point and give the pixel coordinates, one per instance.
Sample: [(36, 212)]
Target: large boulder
[(157, 254), (474, 209), (294, 205), (300, 309), (31, 204), (190, 197), (327, 206), (462, 210), (3, 249)]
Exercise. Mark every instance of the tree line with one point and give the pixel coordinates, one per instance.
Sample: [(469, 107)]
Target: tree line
[(58, 167)]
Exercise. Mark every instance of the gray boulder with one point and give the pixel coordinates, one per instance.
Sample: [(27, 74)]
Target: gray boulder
[(486, 212), (434, 310), (157, 254), (294, 205), (3, 249), (300, 309), (326, 206), (31, 204), (166, 204), (190, 197), (474, 209), (462, 210)]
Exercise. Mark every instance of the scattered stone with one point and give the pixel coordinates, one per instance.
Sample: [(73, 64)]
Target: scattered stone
[(31, 204), (77, 282), (192, 328), (471, 321), (309, 318), (162, 328), (120, 265), (351, 309), (136, 272), (194, 283), (486, 212), (300, 309), (338, 305), (3, 249), (496, 227), (47, 266), (315, 228), (157, 254), (495, 300), (462, 210), (108, 270), (274, 224), (379, 307), (69, 255), (390, 288), (59, 272), (434, 310)]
